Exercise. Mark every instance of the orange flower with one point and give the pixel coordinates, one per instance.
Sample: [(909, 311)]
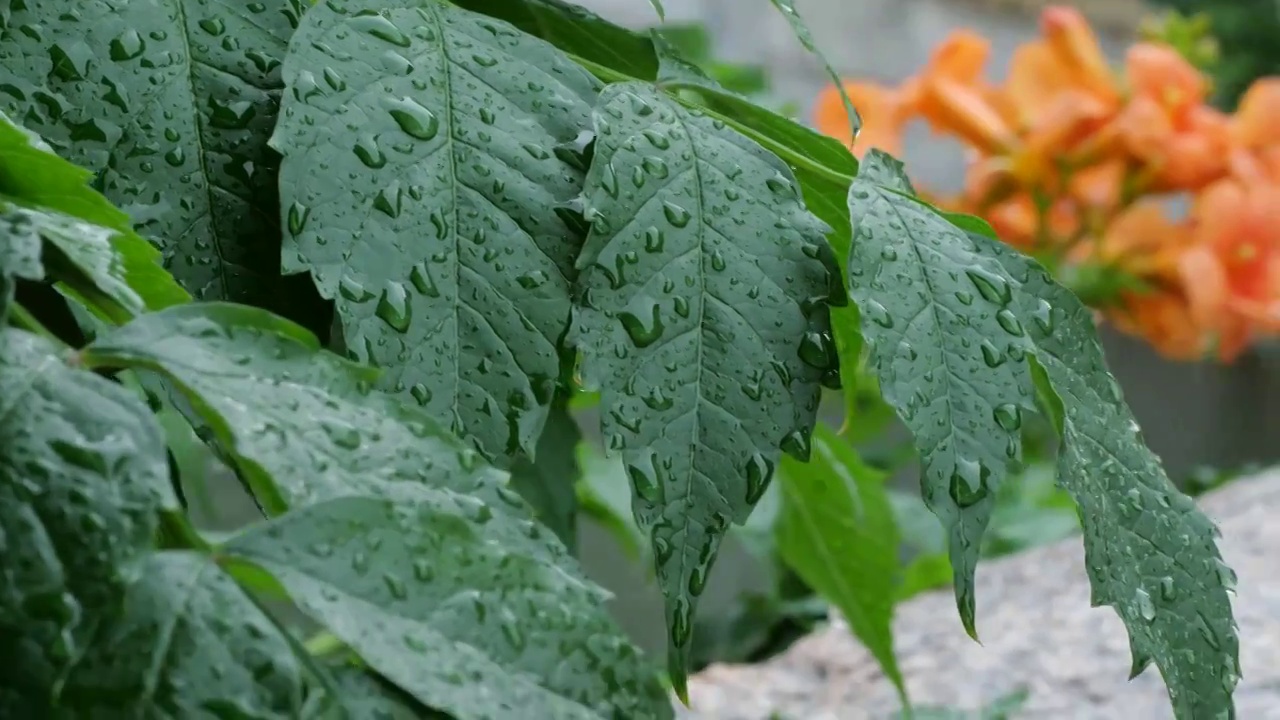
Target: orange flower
[(950, 96), (1143, 241), (883, 115), (1164, 320), (1072, 40), (1158, 72), (1232, 273), (1254, 125)]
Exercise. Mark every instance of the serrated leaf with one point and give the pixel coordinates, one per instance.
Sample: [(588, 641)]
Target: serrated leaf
[(46, 196), (301, 425), (548, 482), (83, 473), (423, 169), (703, 320), (957, 322), (186, 642), (170, 102), (578, 31), (837, 531), (462, 620), (788, 10)]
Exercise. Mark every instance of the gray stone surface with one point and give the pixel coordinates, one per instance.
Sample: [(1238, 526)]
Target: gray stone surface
[(1038, 631)]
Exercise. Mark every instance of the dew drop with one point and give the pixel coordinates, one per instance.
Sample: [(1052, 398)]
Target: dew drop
[(297, 218), (969, 482), (1009, 323), (879, 314), (415, 120), (759, 472), (1008, 416), (380, 27), (394, 308), (420, 278), (676, 215), (991, 287), (643, 335)]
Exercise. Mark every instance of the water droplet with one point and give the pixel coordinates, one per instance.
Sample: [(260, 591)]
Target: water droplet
[(297, 218), (341, 434), (1044, 316), (1146, 607), (1168, 591), (878, 314), (129, 45), (360, 563), (676, 215), (657, 139), (681, 305), (420, 393), (969, 482), (780, 185), (387, 201), (334, 80), (817, 350), (370, 154), (654, 240), (423, 571), (717, 261), (484, 60), (415, 120), (655, 167), (394, 308), (381, 28), (395, 586), (609, 180), (991, 287), (796, 444), (643, 335), (759, 472), (1009, 323), (1008, 416), (889, 253), (420, 278), (213, 26), (644, 483), (353, 290)]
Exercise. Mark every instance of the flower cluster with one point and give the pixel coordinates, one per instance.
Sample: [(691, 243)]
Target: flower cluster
[(1075, 162)]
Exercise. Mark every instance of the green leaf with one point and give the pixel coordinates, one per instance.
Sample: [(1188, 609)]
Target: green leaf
[(171, 103), (425, 154), (99, 256), (83, 473), (837, 531), (187, 642), (788, 10), (365, 694), (422, 585), (703, 320), (657, 7), (548, 482), (300, 424), (578, 31), (19, 256), (956, 321)]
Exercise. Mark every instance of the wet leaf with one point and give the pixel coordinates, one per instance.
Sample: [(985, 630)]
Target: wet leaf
[(702, 318), (959, 325), (170, 103), (83, 473), (837, 531), (425, 157), (45, 197), (365, 694), (186, 642), (788, 10), (302, 425), (578, 31), (418, 585), (549, 481)]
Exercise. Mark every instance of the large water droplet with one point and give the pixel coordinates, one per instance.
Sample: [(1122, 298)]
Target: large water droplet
[(380, 27), (643, 333), (817, 350), (1146, 606), (1009, 323), (414, 119), (676, 215), (878, 314), (1008, 416), (759, 471), (129, 45), (644, 483), (370, 154), (991, 287), (420, 278), (1044, 316), (796, 444), (969, 482), (297, 218), (354, 290), (991, 355), (394, 308)]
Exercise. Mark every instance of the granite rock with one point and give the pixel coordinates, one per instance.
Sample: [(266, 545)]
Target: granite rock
[(1038, 632)]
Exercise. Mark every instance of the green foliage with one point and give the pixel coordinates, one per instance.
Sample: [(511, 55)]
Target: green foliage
[(512, 206), (1244, 32)]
